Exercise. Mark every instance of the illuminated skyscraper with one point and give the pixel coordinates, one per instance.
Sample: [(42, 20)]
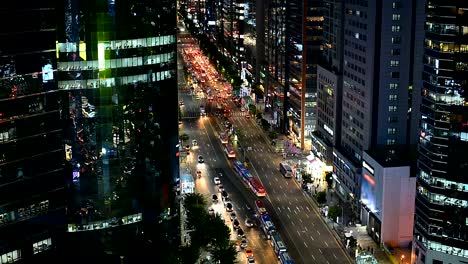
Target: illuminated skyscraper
[(32, 186), (117, 72), (441, 223)]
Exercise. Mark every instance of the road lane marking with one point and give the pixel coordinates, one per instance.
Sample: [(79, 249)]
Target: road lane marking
[(305, 227), (289, 209), (320, 251), (305, 244), (312, 256), (312, 238), (298, 233), (318, 232), (300, 220), (326, 244), (287, 196), (297, 199), (289, 216), (308, 208), (335, 256), (279, 208)]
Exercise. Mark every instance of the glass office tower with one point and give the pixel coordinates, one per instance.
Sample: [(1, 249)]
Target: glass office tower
[(117, 72), (32, 188), (441, 230)]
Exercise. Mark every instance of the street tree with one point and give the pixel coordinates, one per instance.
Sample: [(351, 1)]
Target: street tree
[(259, 115), (306, 178), (334, 212), (184, 137), (321, 197), (225, 255), (265, 124)]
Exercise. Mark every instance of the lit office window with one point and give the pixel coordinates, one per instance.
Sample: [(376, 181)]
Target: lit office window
[(394, 63), (42, 245), (391, 131), (396, 17), (393, 97), (393, 86), (10, 257), (390, 141), (396, 28), (392, 108)]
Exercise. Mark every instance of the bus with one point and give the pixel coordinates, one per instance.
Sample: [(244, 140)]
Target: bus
[(224, 138), (229, 150), (242, 171), (260, 207), (257, 187), (286, 170), (278, 244), (285, 258), (267, 225)]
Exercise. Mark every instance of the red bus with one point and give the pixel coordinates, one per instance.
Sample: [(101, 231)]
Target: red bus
[(229, 150), (257, 187)]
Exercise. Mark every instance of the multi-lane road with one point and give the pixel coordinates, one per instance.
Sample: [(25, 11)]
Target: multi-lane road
[(306, 235)]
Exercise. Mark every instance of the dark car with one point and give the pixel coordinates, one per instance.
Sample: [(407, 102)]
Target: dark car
[(215, 198), (224, 194), (200, 159), (236, 224), (229, 207)]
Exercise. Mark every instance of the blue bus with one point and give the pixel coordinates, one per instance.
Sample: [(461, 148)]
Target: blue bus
[(242, 171), (278, 244), (285, 258), (267, 225)]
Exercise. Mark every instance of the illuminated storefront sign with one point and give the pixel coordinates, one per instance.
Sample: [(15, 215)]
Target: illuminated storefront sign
[(368, 167)]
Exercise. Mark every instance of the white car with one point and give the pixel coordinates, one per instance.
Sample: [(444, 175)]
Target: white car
[(217, 180)]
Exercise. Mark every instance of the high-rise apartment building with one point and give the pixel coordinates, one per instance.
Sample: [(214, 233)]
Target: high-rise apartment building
[(367, 85), (32, 186), (117, 72), (440, 231)]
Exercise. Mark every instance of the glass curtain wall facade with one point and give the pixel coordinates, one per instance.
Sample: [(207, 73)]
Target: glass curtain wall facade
[(32, 186), (117, 73), (273, 74), (304, 29), (441, 231)]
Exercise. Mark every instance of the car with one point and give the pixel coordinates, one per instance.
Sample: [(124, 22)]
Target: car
[(181, 103), (248, 222), (233, 216), (211, 211), (247, 116), (260, 207), (216, 180), (194, 142), (187, 148), (236, 224), (249, 252), (229, 207), (200, 159), (226, 200), (240, 232), (243, 243), (224, 194), (250, 260), (198, 173), (215, 198), (221, 188)]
